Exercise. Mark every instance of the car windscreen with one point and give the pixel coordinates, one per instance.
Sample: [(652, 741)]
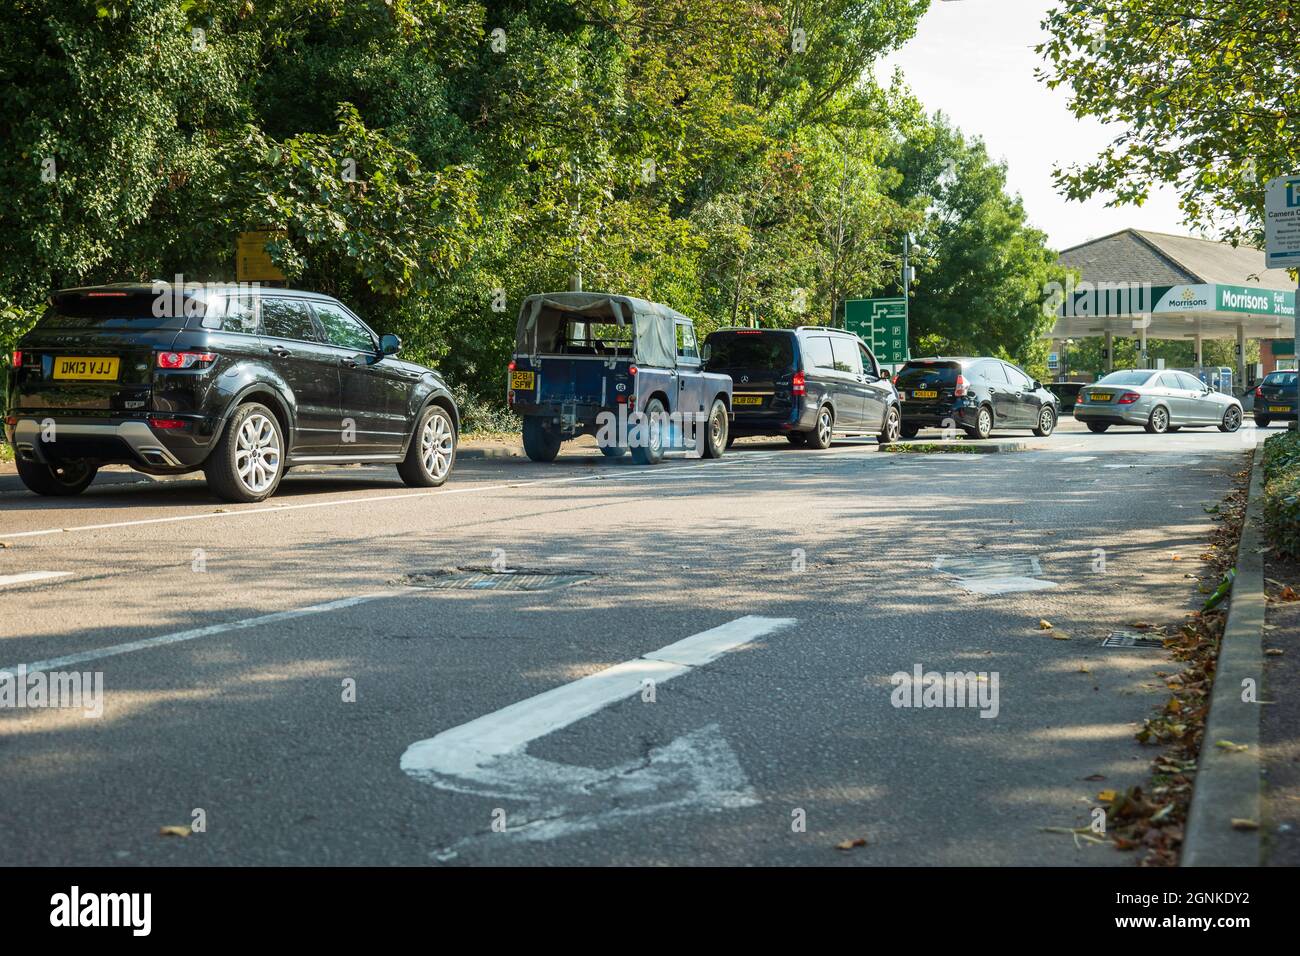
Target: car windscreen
[(1284, 379), (928, 375), (728, 350), (1134, 376)]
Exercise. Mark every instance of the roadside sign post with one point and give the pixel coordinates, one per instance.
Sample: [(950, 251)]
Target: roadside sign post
[(1282, 236), (882, 324)]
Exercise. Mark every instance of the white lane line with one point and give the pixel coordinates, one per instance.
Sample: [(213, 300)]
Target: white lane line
[(28, 576), (465, 751), (1078, 459), (57, 663), (663, 471)]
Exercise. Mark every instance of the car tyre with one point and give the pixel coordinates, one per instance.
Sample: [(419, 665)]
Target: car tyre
[(892, 429), (61, 481), (1098, 427), (248, 462), (432, 451), (1231, 419), (613, 451), (651, 451), (1262, 421), (908, 432), (717, 430), (1046, 421), (983, 424), (1158, 422), (541, 443), (820, 437)]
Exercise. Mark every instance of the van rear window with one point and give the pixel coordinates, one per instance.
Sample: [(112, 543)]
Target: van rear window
[(729, 350)]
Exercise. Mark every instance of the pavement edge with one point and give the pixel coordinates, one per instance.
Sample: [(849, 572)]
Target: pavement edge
[(1227, 785)]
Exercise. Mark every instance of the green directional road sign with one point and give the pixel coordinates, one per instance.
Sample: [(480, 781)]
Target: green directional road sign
[(882, 323)]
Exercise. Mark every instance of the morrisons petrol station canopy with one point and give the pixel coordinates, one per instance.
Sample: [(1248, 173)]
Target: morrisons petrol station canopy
[(1153, 285)]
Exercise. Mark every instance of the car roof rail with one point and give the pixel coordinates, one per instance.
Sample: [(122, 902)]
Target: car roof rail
[(822, 328)]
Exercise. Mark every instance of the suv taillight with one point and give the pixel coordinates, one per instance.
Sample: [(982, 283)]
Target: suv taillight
[(173, 360), (1128, 398), (960, 390), (798, 385), (18, 359)]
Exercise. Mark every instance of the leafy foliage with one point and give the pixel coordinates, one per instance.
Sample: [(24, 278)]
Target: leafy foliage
[(433, 162), (1206, 94)]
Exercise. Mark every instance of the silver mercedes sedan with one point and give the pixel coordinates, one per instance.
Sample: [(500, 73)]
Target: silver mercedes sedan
[(1160, 400)]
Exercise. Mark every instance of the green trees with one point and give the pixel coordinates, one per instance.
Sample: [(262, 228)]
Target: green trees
[(1207, 93), (983, 268), (433, 161)]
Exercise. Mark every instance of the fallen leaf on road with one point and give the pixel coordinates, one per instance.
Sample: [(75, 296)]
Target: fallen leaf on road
[(1060, 636), (1231, 747), (1275, 652), (174, 831), (1106, 796), (1044, 625), (1095, 776), (850, 844), (1240, 823), (1288, 594)]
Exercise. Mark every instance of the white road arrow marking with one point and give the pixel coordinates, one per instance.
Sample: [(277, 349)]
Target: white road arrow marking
[(488, 756)]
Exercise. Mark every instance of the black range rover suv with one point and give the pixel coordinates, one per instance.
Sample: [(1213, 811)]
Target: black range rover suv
[(241, 382)]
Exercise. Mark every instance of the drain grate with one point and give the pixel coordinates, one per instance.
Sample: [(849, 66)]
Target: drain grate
[(486, 579), (1132, 639)]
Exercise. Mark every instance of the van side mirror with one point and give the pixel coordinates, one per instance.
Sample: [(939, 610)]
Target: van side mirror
[(390, 345)]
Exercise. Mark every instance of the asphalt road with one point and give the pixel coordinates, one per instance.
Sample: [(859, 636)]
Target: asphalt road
[(860, 564)]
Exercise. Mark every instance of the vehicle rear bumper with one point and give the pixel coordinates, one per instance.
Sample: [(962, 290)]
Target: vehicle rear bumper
[(111, 441), (939, 416), (1111, 414), (1264, 410), (765, 422)]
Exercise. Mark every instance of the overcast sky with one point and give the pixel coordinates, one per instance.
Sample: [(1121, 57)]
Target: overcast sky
[(974, 59)]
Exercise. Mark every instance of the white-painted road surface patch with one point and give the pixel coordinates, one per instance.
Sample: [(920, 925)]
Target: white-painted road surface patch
[(995, 574), (27, 577), (178, 637), (698, 770)]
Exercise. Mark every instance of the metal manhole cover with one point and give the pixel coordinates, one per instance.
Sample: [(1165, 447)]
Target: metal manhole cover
[(486, 579), (1132, 639)]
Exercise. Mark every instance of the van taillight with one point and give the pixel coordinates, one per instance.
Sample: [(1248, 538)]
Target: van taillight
[(511, 366), (797, 384), (960, 390)]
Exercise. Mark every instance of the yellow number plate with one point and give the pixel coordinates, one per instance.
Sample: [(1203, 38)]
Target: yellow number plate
[(925, 394), (1100, 397), (521, 381), (747, 399), (1279, 408), (86, 368)]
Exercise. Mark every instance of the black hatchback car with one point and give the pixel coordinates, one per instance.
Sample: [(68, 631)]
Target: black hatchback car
[(1275, 397), (808, 384), (241, 382), (973, 394)]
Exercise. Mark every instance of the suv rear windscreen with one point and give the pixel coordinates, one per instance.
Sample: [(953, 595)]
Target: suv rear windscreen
[(929, 375), (749, 350), (107, 310)]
